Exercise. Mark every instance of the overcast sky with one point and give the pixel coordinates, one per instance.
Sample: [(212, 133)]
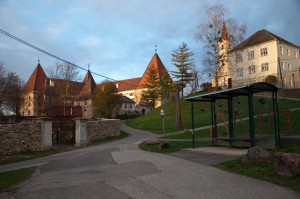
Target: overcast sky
[(117, 37)]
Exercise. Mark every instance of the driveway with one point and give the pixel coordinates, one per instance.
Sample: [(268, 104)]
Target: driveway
[(120, 170)]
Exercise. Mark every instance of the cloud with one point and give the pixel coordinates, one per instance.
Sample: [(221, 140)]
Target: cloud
[(91, 42)]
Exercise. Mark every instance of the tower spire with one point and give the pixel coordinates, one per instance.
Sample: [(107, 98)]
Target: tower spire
[(224, 32)]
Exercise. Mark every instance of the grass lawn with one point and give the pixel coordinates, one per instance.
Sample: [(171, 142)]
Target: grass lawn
[(202, 114), (265, 171), (32, 155), (10, 178), (174, 146)]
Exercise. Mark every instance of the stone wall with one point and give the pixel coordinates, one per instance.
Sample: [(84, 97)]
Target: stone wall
[(101, 129), (20, 137)]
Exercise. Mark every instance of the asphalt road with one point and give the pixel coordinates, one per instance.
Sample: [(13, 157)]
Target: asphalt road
[(120, 170)]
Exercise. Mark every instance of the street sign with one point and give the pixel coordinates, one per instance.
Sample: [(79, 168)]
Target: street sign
[(162, 112), (162, 116)]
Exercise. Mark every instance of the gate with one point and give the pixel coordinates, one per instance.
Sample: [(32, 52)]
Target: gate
[(63, 131)]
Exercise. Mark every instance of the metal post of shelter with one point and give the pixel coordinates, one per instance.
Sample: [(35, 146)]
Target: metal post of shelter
[(212, 123), (215, 132), (230, 119), (250, 104), (275, 119), (277, 113), (193, 136)]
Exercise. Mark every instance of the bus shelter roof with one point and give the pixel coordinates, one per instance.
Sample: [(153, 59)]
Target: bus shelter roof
[(233, 92)]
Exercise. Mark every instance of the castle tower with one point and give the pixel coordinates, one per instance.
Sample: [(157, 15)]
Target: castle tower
[(225, 45)]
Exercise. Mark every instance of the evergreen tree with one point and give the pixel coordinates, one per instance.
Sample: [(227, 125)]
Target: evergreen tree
[(181, 58), (170, 87), (151, 95), (106, 98)]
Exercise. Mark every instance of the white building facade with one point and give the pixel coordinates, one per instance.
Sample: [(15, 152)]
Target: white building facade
[(261, 55)]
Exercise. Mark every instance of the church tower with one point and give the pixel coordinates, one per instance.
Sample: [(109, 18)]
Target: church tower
[(225, 45)]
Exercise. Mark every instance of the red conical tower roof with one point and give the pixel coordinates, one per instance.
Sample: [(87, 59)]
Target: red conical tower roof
[(157, 64), (224, 32), (36, 81)]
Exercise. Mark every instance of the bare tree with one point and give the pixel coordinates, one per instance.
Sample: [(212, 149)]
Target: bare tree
[(13, 96), (2, 85), (210, 32), (65, 73)]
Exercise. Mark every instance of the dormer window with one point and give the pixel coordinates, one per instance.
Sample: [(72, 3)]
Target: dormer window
[(52, 82), (117, 85)]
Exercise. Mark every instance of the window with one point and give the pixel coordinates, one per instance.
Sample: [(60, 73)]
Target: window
[(263, 52), (263, 80), (291, 83), (252, 82), (282, 65), (281, 50), (29, 97), (85, 103), (130, 106), (296, 54), (284, 80), (251, 69), (240, 72), (125, 105), (51, 82), (264, 67), (78, 103), (288, 52), (239, 58), (28, 112), (28, 104), (222, 46), (251, 55), (84, 110), (289, 67)]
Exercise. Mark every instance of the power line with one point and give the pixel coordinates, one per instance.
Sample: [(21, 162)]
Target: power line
[(56, 57)]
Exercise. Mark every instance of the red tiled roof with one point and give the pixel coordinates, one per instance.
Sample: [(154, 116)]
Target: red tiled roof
[(60, 86), (36, 81), (260, 37), (128, 84), (125, 99), (65, 111), (89, 87), (224, 32), (158, 65)]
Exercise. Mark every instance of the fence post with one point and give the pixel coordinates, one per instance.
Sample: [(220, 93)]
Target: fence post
[(46, 133), (80, 132)]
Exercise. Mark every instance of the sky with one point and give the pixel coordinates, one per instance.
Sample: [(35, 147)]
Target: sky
[(117, 38)]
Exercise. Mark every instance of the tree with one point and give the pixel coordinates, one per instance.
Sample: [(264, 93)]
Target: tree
[(181, 58), (10, 92), (106, 98), (151, 95), (210, 32), (170, 88), (271, 79), (205, 86), (13, 97), (68, 73)]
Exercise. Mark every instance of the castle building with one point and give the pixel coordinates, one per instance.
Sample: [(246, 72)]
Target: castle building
[(259, 56), (45, 96)]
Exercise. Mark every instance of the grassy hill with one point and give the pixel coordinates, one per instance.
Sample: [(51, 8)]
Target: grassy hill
[(202, 113)]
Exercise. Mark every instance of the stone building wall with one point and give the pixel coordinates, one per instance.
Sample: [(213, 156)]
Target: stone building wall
[(101, 129), (20, 137)]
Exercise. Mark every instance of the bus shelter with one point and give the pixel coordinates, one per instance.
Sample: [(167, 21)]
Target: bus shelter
[(245, 116)]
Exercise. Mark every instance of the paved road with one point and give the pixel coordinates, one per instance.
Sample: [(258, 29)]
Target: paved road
[(120, 170)]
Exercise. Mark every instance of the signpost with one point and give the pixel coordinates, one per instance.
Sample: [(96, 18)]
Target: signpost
[(162, 115)]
